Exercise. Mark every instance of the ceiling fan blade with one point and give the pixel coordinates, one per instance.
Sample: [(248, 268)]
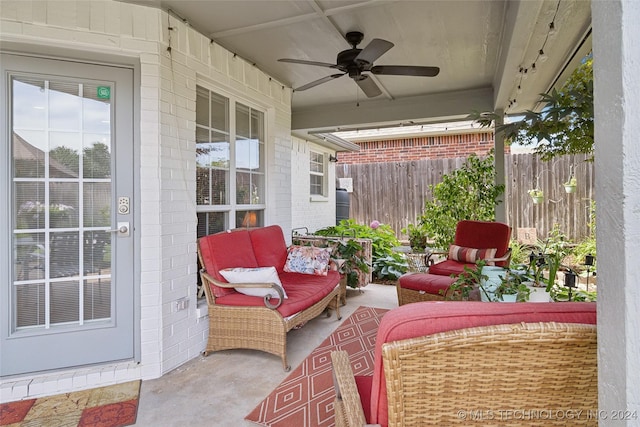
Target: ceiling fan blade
[(317, 82), (405, 70), (305, 62), (368, 86), (374, 50)]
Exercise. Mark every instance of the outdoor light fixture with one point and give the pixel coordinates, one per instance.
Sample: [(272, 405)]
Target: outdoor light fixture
[(333, 159), (588, 262), (570, 281)]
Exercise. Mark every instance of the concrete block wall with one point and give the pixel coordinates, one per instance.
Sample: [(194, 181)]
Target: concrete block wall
[(140, 36), (407, 148)]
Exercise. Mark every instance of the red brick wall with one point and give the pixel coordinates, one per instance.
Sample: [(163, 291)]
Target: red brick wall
[(420, 147)]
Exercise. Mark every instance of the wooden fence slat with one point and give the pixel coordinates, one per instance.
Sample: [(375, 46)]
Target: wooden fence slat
[(394, 193)]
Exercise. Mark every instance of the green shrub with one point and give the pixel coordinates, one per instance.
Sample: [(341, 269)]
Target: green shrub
[(467, 193), (382, 236)]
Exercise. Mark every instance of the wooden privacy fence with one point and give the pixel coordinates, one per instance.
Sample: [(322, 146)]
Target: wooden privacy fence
[(394, 193)]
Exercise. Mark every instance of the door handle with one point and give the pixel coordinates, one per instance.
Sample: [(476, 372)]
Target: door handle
[(122, 230)]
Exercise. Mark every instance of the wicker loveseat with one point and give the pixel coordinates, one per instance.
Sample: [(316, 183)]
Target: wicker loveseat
[(461, 363), (237, 320)]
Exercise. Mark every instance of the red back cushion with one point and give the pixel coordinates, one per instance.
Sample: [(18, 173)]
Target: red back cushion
[(269, 246), (427, 318), (226, 250), (484, 235)]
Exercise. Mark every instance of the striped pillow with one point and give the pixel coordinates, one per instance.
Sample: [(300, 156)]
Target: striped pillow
[(471, 255)]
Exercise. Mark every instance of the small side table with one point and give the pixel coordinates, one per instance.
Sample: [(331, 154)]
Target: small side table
[(417, 260)]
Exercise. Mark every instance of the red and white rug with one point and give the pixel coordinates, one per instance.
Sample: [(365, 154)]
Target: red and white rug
[(305, 397), (110, 406)]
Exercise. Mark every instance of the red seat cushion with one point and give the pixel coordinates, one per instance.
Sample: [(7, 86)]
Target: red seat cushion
[(363, 383), (303, 290), (227, 249), (269, 246), (484, 235), (449, 267), (429, 283), (427, 318)]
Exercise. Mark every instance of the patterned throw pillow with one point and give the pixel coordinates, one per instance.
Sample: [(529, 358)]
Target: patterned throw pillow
[(254, 275), (471, 255), (308, 260)]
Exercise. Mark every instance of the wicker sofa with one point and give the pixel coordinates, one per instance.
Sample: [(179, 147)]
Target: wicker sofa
[(460, 363), (237, 320)]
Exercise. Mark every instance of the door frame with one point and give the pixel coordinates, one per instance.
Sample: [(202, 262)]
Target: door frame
[(100, 59)]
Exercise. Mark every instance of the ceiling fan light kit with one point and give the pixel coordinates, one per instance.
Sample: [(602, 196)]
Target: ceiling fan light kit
[(354, 62)]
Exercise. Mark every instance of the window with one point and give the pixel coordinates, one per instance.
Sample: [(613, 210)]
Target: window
[(317, 174), (230, 175)]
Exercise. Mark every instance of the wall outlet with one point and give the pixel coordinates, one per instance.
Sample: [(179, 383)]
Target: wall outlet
[(182, 304)]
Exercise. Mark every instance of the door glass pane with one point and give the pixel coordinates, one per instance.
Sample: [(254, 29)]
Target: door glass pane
[(62, 192), (65, 302)]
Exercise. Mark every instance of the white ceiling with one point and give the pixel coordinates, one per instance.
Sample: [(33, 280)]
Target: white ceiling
[(479, 45)]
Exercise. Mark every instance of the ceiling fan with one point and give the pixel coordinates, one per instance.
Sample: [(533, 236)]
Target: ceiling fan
[(355, 61)]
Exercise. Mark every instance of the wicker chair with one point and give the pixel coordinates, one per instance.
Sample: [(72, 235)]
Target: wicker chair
[(514, 374), (433, 284)]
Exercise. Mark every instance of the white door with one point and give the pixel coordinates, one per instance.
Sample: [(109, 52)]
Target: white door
[(66, 272)]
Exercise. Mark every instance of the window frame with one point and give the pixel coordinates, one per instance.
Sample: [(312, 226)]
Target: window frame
[(323, 174), (230, 208)]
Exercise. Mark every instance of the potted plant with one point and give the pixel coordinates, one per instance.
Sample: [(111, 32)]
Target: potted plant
[(417, 237), (571, 185), (537, 195), (512, 288), (466, 282)]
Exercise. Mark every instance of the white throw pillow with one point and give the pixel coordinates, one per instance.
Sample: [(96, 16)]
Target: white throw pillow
[(254, 275)]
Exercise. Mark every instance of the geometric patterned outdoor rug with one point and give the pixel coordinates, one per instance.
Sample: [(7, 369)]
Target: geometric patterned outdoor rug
[(305, 397), (111, 406)]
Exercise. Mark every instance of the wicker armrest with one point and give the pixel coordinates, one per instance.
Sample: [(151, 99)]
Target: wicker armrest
[(348, 409), (206, 276), (505, 257), (430, 261)]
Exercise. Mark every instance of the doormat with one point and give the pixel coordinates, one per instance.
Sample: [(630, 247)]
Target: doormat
[(111, 406), (305, 397)]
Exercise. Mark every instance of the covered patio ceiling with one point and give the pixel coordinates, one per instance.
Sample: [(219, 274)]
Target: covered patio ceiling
[(485, 49)]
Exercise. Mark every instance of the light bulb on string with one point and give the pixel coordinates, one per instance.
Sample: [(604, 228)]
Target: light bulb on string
[(524, 74), (552, 28), (542, 56), (519, 90), (533, 68)]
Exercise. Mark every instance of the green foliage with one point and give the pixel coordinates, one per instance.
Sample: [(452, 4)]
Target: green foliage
[(512, 284), (563, 126), (467, 193), (383, 239), (587, 246), (465, 282), (519, 253), (390, 267), (417, 237), (349, 250)]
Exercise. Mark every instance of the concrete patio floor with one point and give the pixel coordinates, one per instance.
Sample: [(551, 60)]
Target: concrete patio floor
[(222, 388)]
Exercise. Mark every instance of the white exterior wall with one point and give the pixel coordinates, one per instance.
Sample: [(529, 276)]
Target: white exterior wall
[(311, 212), (616, 47), (166, 97)]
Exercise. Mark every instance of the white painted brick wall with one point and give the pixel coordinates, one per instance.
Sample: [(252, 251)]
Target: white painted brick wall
[(167, 164), (305, 212)]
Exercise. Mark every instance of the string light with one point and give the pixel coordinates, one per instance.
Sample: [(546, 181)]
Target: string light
[(540, 58)]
